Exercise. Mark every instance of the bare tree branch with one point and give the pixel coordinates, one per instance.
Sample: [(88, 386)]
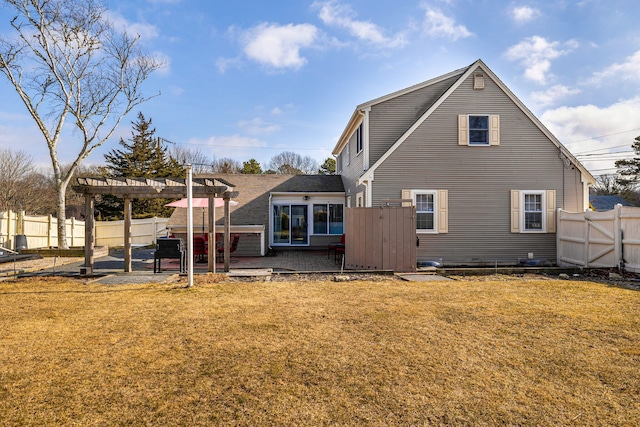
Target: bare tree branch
[(67, 61)]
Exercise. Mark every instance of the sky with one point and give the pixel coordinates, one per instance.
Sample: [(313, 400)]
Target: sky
[(250, 79)]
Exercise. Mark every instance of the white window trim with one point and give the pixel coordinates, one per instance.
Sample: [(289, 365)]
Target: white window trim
[(359, 137), (493, 135), (543, 197), (434, 193), (488, 130), (313, 225)]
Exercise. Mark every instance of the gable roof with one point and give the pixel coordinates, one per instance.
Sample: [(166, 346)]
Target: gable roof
[(254, 192), (462, 75), (358, 114)]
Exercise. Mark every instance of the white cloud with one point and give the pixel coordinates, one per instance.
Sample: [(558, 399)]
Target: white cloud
[(278, 46), (524, 14), (335, 14), (629, 70), (120, 23), (535, 54), (437, 24), (258, 126), (553, 95), (592, 128), (237, 147), (223, 64)]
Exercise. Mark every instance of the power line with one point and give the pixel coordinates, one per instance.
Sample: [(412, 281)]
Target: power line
[(602, 136)]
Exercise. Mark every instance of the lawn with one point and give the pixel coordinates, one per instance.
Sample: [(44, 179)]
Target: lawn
[(529, 351)]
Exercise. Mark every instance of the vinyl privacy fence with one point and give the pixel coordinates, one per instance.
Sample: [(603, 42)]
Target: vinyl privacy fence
[(42, 231), (600, 239)]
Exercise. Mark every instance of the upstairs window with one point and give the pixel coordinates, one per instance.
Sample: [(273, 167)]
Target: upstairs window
[(359, 139), (339, 163), (347, 157), (478, 130)]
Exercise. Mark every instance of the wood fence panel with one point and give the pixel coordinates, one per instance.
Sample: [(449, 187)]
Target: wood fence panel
[(380, 238)]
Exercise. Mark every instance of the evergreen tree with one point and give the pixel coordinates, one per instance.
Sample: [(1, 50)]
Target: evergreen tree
[(143, 156), (328, 167), (629, 170), (251, 167)]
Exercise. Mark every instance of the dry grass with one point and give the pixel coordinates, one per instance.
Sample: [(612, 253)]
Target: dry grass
[(519, 352)]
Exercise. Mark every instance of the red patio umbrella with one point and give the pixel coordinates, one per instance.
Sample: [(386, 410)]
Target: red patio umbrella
[(200, 202)]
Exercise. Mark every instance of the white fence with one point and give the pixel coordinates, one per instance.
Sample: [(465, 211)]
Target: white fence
[(600, 239), (143, 231), (42, 231)]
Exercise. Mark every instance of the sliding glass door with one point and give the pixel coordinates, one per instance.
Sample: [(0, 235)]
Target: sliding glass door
[(290, 225)]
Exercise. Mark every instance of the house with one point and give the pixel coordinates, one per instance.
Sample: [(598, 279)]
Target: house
[(606, 203), (484, 174), (276, 211)]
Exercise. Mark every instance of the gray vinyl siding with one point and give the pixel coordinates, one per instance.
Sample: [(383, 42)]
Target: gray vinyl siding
[(352, 171), (389, 120), (479, 179)]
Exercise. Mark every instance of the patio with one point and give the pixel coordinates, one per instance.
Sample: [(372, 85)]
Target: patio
[(142, 262)]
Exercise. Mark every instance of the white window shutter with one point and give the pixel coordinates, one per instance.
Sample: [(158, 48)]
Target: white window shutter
[(443, 211), (494, 129), (515, 211), (406, 194), (463, 129), (551, 211)]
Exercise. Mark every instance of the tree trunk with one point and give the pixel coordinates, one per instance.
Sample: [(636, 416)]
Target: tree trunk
[(61, 188)]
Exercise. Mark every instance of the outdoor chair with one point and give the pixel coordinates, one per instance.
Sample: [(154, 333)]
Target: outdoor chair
[(339, 253), (232, 248), (334, 245), (199, 248), (169, 249)]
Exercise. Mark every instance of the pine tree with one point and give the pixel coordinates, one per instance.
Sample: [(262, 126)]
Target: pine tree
[(629, 170), (143, 156)]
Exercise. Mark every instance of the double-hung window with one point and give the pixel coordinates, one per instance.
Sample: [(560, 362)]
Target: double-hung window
[(478, 130), (533, 211), (328, 218), (425, 211), (359, 139), (432, 209), (347, 155)]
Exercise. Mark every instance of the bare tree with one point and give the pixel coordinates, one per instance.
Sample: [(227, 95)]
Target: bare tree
[(289, 162), (17, 174), (66, 60), (226, 165), (608, 184), (194, 156)]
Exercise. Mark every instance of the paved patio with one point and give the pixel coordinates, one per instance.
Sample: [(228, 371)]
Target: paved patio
[(142, 262)]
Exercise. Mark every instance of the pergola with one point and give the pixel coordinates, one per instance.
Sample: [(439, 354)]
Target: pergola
[(150, 188)]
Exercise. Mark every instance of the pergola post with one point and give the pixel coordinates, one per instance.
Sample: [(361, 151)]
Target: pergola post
[(127, 235), (227, 231), (211, 256), (89, 234)]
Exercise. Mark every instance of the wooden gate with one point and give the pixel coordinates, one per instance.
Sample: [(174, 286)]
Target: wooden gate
[(381, 239), (589, 239)]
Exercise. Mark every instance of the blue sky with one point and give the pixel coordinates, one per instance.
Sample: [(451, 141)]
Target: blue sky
[(249, 79)]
